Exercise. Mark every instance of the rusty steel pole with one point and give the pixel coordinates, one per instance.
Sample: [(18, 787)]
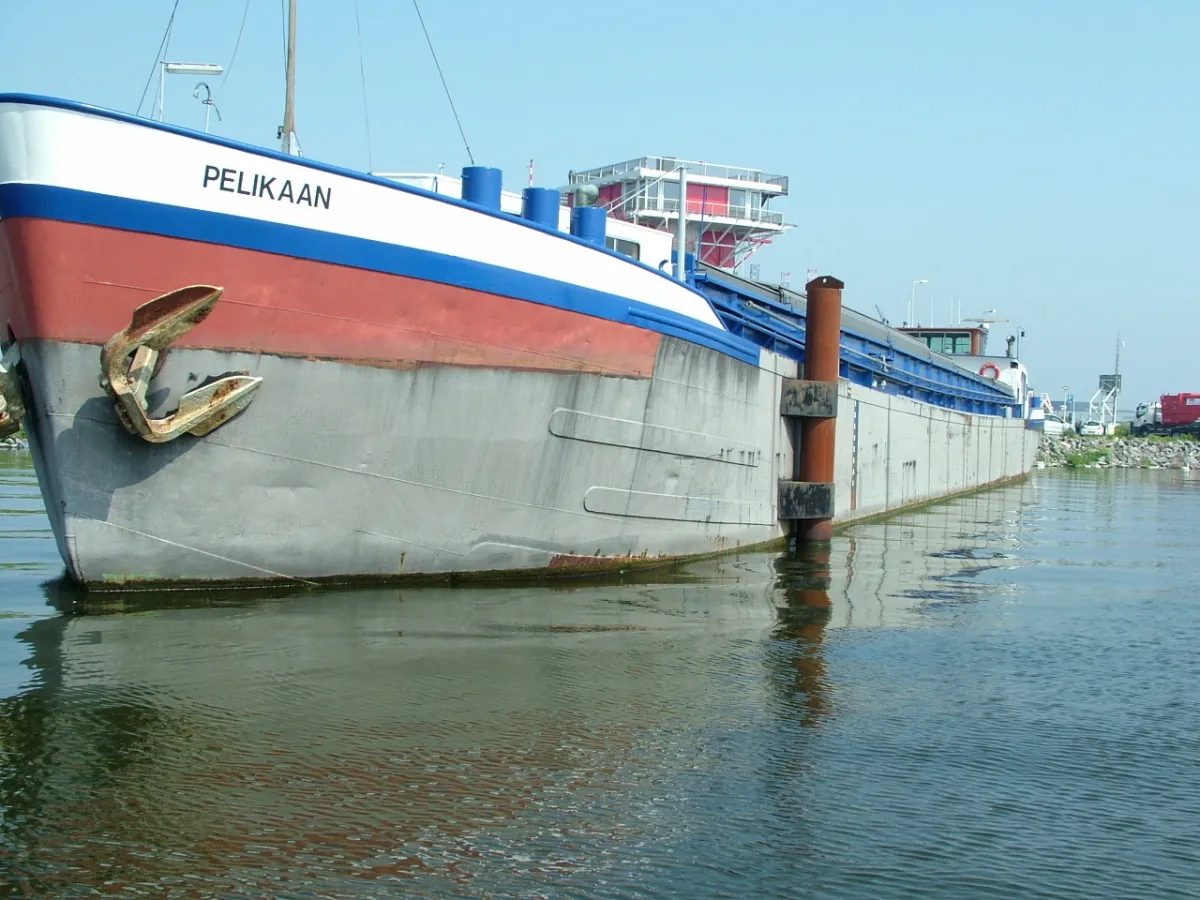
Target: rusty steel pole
[(822, 353)]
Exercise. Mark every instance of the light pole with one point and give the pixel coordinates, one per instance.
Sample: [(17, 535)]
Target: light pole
[(912, 301), (681, 228), (171, 68), (209, 105), (1066, 389)]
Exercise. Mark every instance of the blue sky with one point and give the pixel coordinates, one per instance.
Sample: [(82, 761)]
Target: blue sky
[(1039, 158)]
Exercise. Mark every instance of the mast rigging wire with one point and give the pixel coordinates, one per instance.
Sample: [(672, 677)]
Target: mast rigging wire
[(158, 57), (236, 44), (445, 87), (362, 73)]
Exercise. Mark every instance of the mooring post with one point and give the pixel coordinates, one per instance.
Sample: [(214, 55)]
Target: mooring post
[(822, 354)]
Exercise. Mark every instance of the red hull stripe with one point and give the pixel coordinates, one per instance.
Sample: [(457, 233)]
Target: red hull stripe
[(69, 282), (84, 207)]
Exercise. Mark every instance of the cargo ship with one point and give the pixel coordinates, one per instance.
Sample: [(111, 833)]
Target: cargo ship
[(236, 365)]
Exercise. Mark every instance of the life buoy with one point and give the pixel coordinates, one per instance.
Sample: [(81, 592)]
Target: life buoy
[(990, 370)]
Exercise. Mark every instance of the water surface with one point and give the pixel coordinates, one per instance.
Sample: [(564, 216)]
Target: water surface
[(991, 696)]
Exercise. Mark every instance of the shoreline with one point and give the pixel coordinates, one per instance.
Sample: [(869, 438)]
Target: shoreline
[(1072, 451)]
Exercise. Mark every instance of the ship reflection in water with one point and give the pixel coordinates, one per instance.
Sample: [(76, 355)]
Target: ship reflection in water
[(755, 725)]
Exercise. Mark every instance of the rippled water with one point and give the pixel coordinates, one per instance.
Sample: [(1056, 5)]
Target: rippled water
[(995, 696)]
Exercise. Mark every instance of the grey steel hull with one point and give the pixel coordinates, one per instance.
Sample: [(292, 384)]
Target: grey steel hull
[(353, 471), (344, 472)]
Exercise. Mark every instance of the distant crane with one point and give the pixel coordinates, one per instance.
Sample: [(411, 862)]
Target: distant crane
[(1103, 405)]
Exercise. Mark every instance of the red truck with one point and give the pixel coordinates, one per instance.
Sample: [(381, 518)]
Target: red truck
[(1169, 414)]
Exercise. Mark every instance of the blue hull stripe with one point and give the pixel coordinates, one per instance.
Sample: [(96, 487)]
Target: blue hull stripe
[(86, 208)]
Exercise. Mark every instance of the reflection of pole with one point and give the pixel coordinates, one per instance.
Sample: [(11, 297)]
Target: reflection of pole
[(822, 355), (805, 578)]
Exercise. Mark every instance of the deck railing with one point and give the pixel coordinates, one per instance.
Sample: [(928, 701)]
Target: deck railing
[(669, 164), (695, 208)]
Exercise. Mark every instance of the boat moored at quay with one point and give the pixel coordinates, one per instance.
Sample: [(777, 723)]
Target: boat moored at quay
[(236, 365)]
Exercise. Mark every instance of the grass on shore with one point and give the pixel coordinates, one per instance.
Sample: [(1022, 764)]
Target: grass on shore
[(1087, 457), (1171, 437)]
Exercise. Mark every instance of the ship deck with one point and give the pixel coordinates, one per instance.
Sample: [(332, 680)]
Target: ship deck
[(873, 355)]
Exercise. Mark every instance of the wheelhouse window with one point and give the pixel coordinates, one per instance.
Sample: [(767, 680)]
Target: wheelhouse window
[(951, 343), (631, 249)]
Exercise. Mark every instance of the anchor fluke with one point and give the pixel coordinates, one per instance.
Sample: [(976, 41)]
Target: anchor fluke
[(127, 364)]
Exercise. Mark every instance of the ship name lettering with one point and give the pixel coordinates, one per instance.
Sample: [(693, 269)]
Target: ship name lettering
[(250, 184)]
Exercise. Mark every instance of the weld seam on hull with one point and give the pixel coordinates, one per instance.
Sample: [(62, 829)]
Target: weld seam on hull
[(418, 484), (190, 549), (577, 425), (392, 537)]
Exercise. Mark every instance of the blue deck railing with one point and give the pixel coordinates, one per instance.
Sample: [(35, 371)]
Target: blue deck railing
[(873, 354)]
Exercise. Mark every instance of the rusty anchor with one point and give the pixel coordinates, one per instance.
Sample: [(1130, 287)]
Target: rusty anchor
[(12, 406), (127, 364)]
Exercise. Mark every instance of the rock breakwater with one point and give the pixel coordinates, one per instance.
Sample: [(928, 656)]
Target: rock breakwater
[(1074, 451), (15, 442)]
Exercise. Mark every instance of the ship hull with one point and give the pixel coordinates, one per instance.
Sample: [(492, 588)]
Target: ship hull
[(428, 471), (344, 471), (445, 390)]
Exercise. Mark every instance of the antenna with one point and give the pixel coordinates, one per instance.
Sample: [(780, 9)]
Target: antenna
[(988, 318)]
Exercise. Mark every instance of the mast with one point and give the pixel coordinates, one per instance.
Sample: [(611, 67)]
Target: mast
[(288, 131)]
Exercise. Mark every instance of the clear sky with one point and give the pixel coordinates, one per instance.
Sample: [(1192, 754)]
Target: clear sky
[(1038, 157)]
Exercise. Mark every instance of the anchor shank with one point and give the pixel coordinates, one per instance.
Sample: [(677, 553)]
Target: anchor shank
[(128, 359)]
